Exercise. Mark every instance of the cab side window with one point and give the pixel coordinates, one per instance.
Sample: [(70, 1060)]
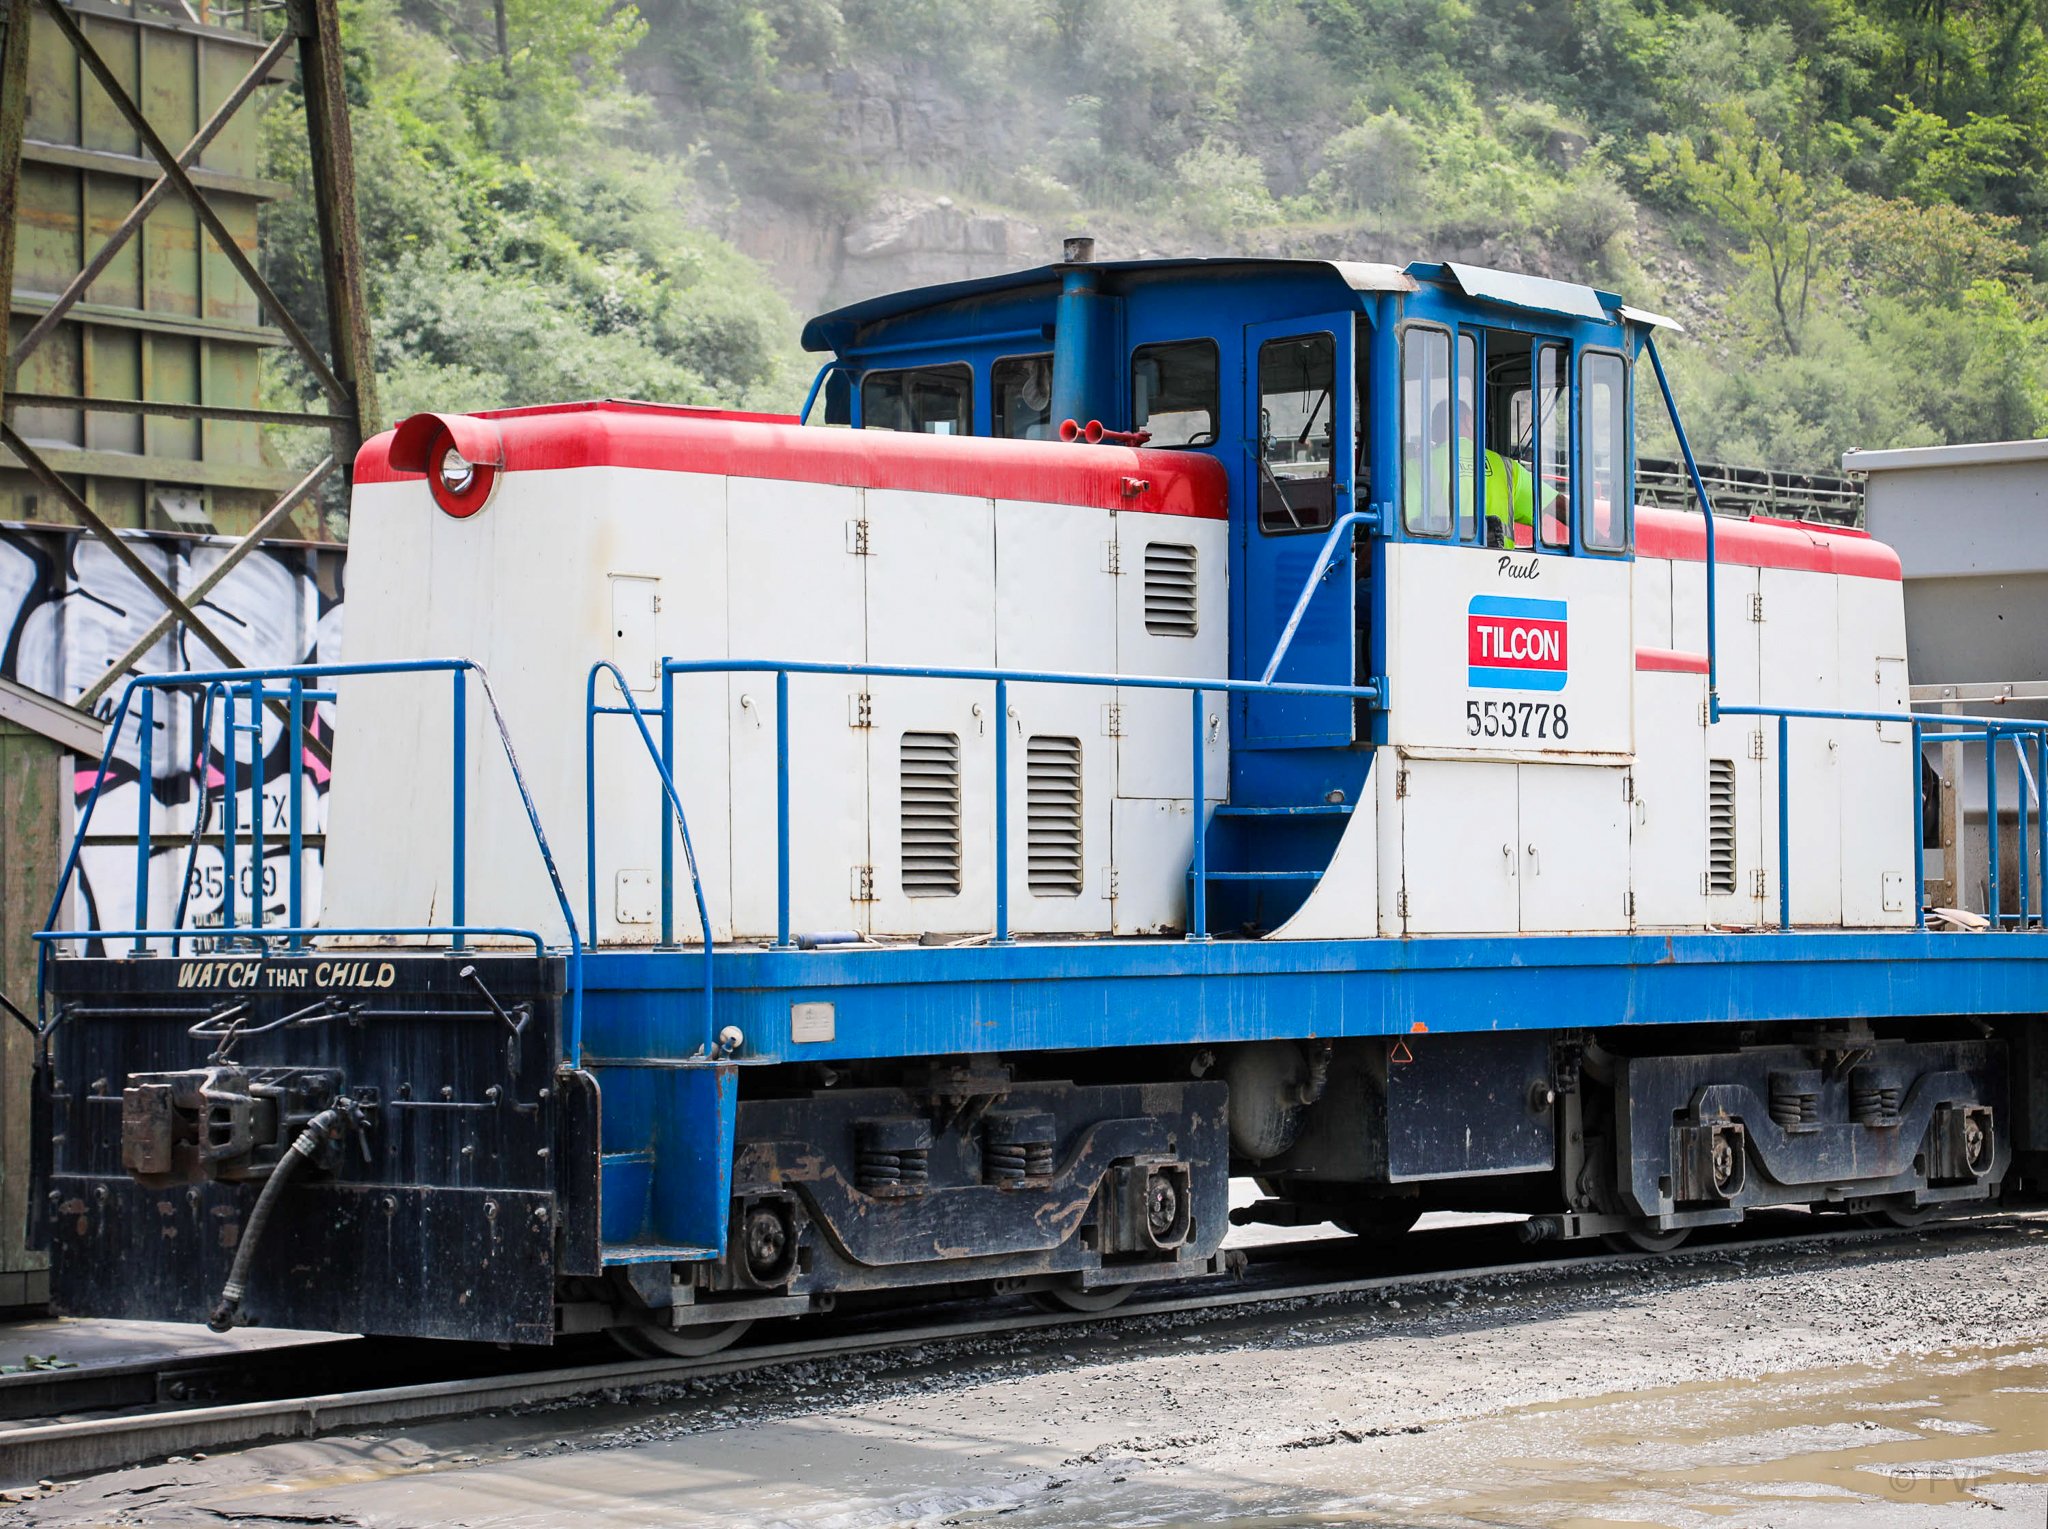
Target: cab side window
[(932, 400), (1603, 452), (1297, 434), (1022, 389), (1174, 392), (1553, 484), (1425, 432)]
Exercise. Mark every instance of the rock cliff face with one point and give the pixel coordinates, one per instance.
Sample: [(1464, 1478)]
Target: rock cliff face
[(902, 239), (925, 151)]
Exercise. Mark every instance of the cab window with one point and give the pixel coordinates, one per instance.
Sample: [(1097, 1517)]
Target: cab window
[(1553, 485), (1528, 439), (933, 400), (1425, 431), (1297, 434), (1603, 452), (1174, 392), (1022, 389)]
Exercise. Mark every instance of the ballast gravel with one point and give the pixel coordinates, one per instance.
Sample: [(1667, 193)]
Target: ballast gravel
[(1902, 1381)]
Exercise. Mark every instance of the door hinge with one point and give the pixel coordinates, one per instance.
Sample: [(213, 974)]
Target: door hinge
[(1112, 558), (1112, 721), (1756, 744), (1759, 882), (1401, 903), (861, 884), (657, 605), (1628, 905), (1756, 607), (1628, 785), (1109, 882), (857, 538), (1400, 790), (860, 710)]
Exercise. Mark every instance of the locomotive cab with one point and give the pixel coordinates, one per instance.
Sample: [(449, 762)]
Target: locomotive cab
[(1431, 496)]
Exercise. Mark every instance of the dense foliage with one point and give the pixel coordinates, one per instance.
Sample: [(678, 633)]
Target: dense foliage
[(1846, 201), (524, 243)]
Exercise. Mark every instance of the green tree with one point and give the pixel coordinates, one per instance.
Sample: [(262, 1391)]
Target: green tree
[(1744, 179)]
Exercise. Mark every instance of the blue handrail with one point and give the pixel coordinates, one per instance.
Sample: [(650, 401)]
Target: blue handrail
[(782, 669), (1325, 556), (229, 685), (1989, 731), (1699, 488), (591, 712)]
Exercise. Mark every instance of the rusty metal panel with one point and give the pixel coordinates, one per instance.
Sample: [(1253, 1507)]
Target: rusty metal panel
[(101, 125), (31, 840), (169, 318), (46, 238), (52, 84), (107, 200)]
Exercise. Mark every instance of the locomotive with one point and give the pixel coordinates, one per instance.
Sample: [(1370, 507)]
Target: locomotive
[(1172, 720)]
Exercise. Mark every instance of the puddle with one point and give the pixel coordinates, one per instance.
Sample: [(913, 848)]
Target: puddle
[(1935, 1440)]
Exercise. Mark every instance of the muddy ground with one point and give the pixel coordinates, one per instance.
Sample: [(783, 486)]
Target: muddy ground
[(1892, 1383)]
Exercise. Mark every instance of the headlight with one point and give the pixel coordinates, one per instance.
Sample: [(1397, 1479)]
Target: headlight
[(456, 474), (459, 485)]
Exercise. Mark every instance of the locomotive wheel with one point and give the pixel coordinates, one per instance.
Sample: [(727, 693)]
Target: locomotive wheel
[(1889, 1217), (1379, 1220), (1638, 1239), (1065, 1298), (650, 1342)]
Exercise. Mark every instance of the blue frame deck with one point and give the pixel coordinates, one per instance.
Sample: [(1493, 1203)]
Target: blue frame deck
[(1055, 995)]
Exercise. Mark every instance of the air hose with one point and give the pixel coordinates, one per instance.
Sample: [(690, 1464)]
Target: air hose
[(328, 1125)]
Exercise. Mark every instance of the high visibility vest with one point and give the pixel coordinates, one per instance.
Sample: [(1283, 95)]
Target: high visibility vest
[(1509, 493)]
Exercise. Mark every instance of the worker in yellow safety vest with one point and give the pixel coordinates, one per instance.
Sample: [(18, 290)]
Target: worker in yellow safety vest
[(1509, 494)]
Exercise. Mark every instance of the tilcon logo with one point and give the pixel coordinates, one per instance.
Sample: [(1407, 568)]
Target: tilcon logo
[(1516, 644)]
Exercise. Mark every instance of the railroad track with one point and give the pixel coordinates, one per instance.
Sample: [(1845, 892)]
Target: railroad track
[(35, 1444)]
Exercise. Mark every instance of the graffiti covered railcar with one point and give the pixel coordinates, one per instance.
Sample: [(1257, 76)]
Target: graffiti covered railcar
[(768, 862)]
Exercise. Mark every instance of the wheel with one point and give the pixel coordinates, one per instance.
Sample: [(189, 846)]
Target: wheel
[(1065, 1298), (671, 1343), (1889, 1217), (1379, 1220), (1642, 1240)]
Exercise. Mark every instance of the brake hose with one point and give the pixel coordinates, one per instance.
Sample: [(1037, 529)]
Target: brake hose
[(329, 1124)]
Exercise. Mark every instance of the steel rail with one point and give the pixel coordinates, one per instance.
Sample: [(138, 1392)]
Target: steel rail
[(75, 1448)]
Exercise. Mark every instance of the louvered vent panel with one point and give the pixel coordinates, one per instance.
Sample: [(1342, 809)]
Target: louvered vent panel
[(1169, 589), (1052, 794), (1720, 827), (931, 814)]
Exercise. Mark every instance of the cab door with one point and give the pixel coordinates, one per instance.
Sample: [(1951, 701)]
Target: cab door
[(1298, 476)]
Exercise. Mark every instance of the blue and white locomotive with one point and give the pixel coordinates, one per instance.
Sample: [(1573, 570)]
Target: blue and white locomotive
[(1205, 718)]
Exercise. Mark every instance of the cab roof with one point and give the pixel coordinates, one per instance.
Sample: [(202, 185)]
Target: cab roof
[(840, 328)]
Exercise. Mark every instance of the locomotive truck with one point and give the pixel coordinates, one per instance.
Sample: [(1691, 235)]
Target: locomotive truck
[(1172, 720)]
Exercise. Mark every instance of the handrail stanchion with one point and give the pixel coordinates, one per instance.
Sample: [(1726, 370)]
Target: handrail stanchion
[(458, 848), (782, 809), (295, 908), (1002, 812), (2041, 816), (1784, 822), (1919, 833), (675, 805), (2019, 752), (668, 837), (144, 802), (231, 816), (1198, 893), (1996, 907), (256, 823)]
